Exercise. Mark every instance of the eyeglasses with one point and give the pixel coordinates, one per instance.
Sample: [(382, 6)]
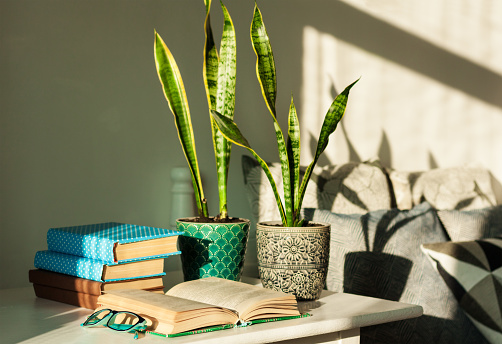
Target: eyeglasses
[(118, 321)]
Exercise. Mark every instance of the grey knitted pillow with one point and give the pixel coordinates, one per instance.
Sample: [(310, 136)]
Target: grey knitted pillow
[(472, 224), (378, 254)]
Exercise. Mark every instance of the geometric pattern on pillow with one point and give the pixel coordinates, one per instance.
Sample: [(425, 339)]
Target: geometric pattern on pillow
[(474, 224), (378, 254), (473, 272)]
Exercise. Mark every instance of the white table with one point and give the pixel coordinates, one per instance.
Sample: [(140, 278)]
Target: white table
[(336, 318)]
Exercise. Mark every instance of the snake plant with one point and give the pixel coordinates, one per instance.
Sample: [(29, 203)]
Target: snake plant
[(219, 71), (289, 152)]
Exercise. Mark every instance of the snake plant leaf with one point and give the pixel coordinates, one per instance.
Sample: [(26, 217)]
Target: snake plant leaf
[(331, 120), (232, 133), (294, 151), (225, 100), (265, 65), (229, 129), (174, 91), (210, 66), (225, 104), (266, 73), (219, 79)]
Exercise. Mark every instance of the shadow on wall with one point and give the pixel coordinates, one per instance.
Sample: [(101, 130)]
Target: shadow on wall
[(384, 151), (388, 42), (427, 98), (384, 158), (404, 48)]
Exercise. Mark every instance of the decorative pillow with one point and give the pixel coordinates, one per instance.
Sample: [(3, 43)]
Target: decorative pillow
[(348, 188), (378, 254), (473, 272), (472, 224), (449, 188)]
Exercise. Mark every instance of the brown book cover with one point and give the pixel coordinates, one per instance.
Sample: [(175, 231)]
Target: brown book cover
[(86, 286), (72, 297), (66, 296)]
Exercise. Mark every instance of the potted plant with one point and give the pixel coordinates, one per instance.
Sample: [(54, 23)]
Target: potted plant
[(211, 246), (292, 255)]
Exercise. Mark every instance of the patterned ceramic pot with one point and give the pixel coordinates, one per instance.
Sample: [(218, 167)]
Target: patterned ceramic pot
[(212, 249), (293, 259)]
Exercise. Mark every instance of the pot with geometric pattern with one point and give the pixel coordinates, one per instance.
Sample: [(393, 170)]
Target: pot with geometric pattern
[(293, 259), (213, 249)]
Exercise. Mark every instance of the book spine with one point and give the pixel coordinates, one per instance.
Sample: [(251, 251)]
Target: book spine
[(210, 329), (62, 281), (259, 321), (66, 296), (70, 265), (78, 243)]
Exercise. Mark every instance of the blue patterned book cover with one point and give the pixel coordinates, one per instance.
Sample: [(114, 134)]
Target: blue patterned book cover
[(98, 241), (79, 266)]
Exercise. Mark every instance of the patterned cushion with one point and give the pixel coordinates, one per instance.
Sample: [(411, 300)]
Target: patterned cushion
[(447, 188), (473, 272), (378, 254), (472, 224), (348, 188)]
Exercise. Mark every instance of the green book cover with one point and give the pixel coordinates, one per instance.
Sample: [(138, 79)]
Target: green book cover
[(224, 327)]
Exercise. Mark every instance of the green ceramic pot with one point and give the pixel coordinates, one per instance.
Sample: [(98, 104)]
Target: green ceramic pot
[(212, 249), (293, 259)]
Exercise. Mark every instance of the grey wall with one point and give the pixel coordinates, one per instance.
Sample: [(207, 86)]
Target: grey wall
[(86, 134)]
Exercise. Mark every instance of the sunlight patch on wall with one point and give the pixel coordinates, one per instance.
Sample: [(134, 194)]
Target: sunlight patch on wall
[(408, 120), (469, 28)]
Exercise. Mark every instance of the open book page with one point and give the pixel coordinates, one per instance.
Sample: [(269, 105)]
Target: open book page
[(162, 306), (241, 297), (197, 319)]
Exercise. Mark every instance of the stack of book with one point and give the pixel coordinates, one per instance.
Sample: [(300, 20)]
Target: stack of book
[(81, 262)]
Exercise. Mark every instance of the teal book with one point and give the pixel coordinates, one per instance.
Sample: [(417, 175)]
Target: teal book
[(97, 270), (113, 242)]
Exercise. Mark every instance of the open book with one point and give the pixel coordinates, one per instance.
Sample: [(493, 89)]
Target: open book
[(202, 303)]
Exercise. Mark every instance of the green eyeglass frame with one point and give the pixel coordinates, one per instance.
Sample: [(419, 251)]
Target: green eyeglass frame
[(107, 317)]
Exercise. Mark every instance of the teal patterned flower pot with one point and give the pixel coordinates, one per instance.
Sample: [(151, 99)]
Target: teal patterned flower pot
[(212, 249), (293, 259)]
